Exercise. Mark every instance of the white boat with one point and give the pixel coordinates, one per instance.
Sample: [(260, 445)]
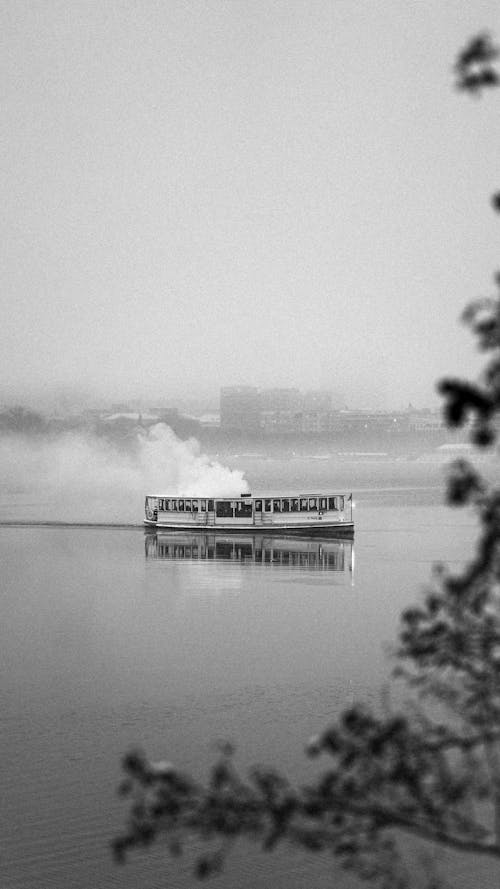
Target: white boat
[(317, 513)]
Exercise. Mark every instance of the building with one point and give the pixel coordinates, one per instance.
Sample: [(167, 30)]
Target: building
[(317, 422), (426, 421), (280, 422), (210, 420), (280, 401)]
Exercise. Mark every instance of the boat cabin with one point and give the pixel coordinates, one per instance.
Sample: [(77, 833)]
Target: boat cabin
[(247, 512)]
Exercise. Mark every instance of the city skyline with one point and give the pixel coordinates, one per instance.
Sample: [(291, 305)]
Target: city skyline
[(266, 400)]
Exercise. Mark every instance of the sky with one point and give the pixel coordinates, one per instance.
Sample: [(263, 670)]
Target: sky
[(202, 194)]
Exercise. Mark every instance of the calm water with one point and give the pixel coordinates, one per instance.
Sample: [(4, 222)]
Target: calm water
[(110, 638)]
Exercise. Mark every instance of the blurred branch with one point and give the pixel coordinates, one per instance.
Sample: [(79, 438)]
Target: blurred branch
[(475, 66)]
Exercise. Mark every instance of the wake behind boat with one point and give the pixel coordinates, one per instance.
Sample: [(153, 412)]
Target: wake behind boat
[(288, 514)]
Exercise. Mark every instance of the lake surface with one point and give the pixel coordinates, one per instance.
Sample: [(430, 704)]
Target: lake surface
[(111, 638)]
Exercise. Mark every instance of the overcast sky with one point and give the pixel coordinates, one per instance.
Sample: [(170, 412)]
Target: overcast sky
[(199, 194)]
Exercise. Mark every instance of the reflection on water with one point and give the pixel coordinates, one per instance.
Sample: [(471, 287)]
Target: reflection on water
[(302, 552)]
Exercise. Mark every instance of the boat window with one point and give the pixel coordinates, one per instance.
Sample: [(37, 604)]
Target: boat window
[(341, 503), (303, 505), (181, 505), (195, 506), (323, 503), (295, 504), (203, 505), (210, 505), (224, 509), (173, 505), (332, 503), (258, 506), (285, 505), (313, 503), (276, 505), (267, 505), (243, 510), (187, 505)]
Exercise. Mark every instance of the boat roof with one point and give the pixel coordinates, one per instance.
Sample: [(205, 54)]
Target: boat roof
[(257, 495)]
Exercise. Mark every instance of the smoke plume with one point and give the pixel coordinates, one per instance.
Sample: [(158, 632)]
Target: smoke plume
[(84, 478)]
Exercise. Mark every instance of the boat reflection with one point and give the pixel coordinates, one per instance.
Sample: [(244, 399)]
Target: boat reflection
[(296, 552)]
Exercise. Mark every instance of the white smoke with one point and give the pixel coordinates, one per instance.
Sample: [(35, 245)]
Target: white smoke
[(84, 478)]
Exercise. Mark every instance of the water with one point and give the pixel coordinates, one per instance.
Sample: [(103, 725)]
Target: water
[(110, 638)]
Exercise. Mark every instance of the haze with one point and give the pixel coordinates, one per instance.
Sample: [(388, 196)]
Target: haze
[(272, 193)]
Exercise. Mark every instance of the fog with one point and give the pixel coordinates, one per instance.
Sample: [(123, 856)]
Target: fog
[(83, 478), (206, 194)]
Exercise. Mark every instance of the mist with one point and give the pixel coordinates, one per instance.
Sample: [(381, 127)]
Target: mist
[(206, 195), (83, 478)]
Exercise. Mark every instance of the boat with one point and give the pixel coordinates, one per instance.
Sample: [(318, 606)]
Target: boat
[(310, 553), (312, 513)]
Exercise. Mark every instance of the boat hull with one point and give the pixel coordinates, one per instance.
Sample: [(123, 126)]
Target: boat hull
[(311, 529)]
